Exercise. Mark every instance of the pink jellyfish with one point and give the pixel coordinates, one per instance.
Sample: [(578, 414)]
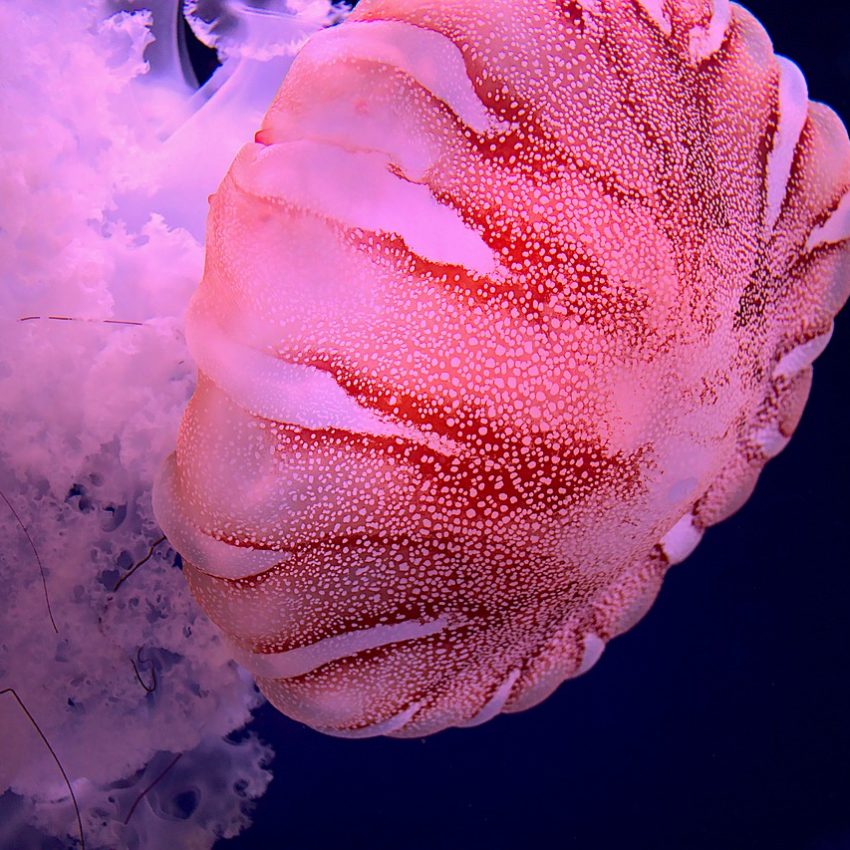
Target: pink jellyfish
[(576, 260)]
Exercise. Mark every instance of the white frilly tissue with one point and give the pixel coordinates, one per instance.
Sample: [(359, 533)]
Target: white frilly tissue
[(106, 165)]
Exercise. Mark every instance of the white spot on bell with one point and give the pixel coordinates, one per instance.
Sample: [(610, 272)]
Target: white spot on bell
[(681, 539)]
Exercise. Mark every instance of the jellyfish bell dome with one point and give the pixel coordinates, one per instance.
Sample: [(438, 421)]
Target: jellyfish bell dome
[(576, 262)]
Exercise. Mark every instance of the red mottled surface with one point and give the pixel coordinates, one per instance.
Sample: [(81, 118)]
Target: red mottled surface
[(507, 303)]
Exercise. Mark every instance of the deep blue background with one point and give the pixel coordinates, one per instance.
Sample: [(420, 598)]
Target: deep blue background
[(721, 722)]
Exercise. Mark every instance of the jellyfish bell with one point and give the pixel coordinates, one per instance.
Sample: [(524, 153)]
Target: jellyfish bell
[(576, 262)]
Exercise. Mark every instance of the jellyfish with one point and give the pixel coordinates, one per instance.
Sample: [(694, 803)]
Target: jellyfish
[(118, 696), (577, 260), (122, 715)]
